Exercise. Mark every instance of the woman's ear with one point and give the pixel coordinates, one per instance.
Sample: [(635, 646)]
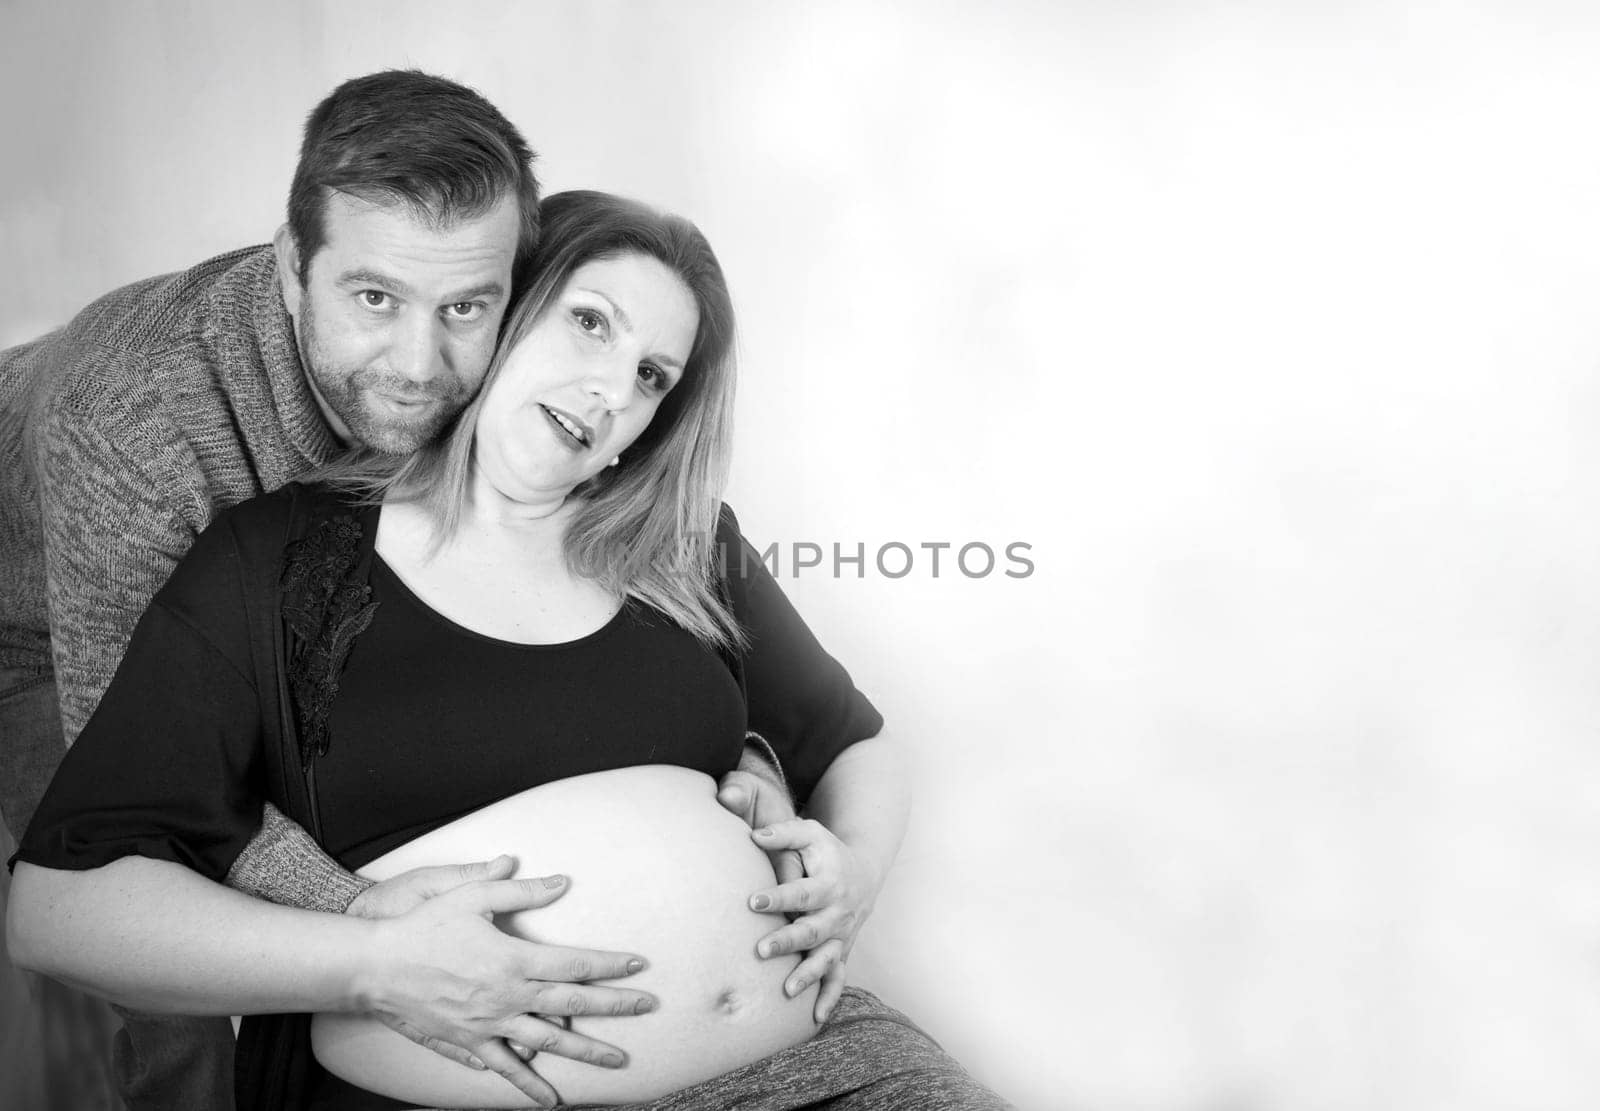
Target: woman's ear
[(288, 253)]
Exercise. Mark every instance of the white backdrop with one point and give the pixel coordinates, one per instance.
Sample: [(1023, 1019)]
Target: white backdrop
[(1270, 327)]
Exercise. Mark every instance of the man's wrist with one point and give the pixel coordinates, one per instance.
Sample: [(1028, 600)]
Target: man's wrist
[(759, 759), (283, 865)]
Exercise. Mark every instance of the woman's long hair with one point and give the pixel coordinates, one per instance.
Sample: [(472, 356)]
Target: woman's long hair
[(645, 528)]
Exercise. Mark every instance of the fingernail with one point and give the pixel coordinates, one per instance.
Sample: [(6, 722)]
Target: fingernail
[(474, 1062), (795, 987), (555, 881), (764, 833), (644, 1006), (612, 1060), (635, 965), (764, 949), (760, 902)]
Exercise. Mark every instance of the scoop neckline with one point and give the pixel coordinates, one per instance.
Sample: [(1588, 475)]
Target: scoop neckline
[(456, 627)]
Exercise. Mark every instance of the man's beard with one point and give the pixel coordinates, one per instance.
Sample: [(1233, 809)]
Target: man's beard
[(345, 390)]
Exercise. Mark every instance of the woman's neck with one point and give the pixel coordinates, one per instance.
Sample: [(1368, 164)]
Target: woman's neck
[(489, 509)]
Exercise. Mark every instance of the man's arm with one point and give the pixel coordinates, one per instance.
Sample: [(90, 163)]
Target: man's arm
[(112, 532), (283, 865)]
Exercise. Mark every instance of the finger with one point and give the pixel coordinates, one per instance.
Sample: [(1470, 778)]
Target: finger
[(577, 999), (799, 936), (814, 967), (438, 879), (796, 896), (772, 805), (737, 795), (498, 1058), (796, 833), (576, 966), (787, 865), (545, 1037), (443, 1048), (505, 896), (828, 995)]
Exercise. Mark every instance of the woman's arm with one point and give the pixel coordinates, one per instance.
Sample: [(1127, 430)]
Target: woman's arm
[(154, 935), (848, 775), (847, 842)]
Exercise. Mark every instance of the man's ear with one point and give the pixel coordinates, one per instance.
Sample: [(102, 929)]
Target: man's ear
[(283, 245)]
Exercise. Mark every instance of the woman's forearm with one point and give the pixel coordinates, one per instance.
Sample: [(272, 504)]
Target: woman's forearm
[(864, 800), (157, 936)]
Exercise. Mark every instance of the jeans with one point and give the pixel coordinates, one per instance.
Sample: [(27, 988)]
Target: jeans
[(68, 1052)]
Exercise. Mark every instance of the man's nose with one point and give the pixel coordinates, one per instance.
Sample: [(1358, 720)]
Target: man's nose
[(417, 349)]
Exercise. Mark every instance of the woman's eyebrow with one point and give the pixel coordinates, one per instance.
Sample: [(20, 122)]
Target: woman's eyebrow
[(622, 318), (621, 313)]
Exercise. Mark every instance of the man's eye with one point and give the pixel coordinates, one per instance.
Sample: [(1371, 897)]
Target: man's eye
[(465, 310), (375, 298)]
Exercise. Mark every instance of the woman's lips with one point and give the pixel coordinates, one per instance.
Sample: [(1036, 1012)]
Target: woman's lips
[(570, 431)]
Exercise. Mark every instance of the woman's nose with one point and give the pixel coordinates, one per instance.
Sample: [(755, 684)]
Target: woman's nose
[(611, 380)]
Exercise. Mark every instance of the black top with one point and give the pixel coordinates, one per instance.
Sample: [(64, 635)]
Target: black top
[(421, 694), (431, 720)]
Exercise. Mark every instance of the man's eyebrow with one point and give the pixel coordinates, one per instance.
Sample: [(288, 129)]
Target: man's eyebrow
[(364, 277), (489, 290), (622, 317), (374, 277)]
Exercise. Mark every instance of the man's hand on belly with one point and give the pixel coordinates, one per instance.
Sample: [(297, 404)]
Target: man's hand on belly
[(445, 975)]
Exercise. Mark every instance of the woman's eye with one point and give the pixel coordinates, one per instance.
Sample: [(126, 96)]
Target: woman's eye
[(652, 376), (590, 321)]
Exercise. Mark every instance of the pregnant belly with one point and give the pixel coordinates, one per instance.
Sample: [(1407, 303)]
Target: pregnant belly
[(657, 867)]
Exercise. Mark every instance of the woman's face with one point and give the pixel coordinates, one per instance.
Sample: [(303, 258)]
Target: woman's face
[(586, 378)]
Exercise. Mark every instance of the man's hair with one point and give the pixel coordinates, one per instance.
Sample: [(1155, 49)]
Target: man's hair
[(646, 528), (407, 137)]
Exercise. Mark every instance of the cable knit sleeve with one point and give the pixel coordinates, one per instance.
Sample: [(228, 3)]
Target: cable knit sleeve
[(116, 520)]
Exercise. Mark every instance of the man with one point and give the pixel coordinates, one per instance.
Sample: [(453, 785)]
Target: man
[(370, 320)]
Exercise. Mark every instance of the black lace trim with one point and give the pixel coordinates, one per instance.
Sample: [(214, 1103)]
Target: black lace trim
[(326, 606)]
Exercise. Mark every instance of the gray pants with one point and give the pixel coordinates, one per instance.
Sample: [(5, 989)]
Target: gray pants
[(869, 1057), (158, 1062)]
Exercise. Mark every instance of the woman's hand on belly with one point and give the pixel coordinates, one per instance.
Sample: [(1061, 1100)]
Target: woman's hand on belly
[(435, 961), (656, 866), (830, 903)]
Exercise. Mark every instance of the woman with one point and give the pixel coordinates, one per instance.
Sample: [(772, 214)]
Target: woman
[(535, 609)]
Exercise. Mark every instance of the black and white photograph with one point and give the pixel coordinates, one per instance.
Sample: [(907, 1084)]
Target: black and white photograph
[(800, 556)]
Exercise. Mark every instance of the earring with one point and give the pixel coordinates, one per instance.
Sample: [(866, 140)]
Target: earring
[(615, 459)]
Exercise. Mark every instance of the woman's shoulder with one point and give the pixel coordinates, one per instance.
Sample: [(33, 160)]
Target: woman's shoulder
[(727, 524)]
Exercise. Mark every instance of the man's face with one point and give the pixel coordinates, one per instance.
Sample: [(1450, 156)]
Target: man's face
[(397, 317)]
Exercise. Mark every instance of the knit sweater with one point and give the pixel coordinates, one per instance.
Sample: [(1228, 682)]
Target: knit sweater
[(121, 435)]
